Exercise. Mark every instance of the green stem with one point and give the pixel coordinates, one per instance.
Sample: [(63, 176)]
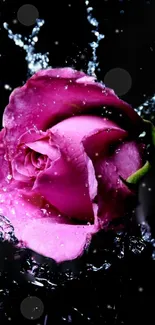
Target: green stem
[(136, 177)]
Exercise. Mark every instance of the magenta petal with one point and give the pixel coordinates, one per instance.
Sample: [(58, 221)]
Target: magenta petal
[(44, 147), (5, 167), (98, 143), (112, 192), (128, 158), (28, 165), (70, 183), (59, 241), (64, 186), (46, 99), (42, 229), (67, 73)]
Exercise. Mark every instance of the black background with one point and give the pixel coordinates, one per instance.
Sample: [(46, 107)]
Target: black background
[(129, 286), (132, 48)]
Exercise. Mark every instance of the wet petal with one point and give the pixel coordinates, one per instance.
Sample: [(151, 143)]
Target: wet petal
[(42, 228), (112, 193), (63, 184), (45, 148), (67, 184), (22, 167), (59, 241), (46, 99), (5, 169)]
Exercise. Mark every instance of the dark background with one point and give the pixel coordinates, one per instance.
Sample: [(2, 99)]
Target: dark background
[(126, 293), (129, 42)]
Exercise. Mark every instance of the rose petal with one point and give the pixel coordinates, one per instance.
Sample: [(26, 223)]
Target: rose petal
[(112, 193), (64, 186), (59, 241), (44, 230), (44, 147), (5, 169), (20, 171), (97, 143), (67, 184), (45, 99), (28, 166), (67, 73)]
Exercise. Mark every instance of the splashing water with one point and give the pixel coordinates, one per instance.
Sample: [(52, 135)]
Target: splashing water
[(93, 64), (147, 109), (35, 61)]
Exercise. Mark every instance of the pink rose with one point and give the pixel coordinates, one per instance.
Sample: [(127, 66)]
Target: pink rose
[(61, 159)]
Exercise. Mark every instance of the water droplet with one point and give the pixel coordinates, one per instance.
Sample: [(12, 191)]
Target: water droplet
[(9, 177), (47, 205), (44, 211), (143, 134), (35, 39), (117, 151), (93, 64), (7, 87), (35, 61), (108, 130)]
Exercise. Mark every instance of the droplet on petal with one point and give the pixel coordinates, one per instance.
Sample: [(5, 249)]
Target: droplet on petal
[(9, 177)]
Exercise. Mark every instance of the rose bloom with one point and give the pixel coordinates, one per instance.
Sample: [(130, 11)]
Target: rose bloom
[(62, 154)]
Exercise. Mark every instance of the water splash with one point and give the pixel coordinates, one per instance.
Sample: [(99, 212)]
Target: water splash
[(147, 109), (35, 61), (93, 64)]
